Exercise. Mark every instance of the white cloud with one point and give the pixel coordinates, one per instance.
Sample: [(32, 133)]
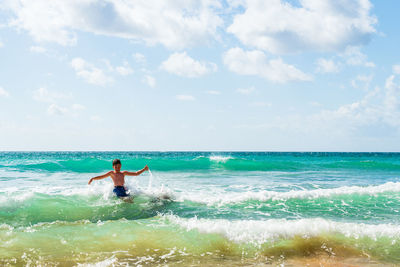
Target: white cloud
[(245, 91), (54, 109), (396, 69), (109, 67), (362, 81), (90, 73), (45, 21), (1, 44), (3, 93), (261, 104), (368, 121), (125, 69), (185, 97), (392, 98), (174, 24), (44, 95), (183, 65), (379, 108), (139, 58), (149, 80), (52, 97), (255, 63), (353, 56), (327, 66), (368, 111), (78, 107), (213, 92), (315, 104), (37, 49), (279, 27), (74, 110)]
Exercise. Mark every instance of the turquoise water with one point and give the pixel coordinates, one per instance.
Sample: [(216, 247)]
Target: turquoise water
[(230, 208)]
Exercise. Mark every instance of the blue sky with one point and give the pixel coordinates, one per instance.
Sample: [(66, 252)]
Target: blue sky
[(274, 75)]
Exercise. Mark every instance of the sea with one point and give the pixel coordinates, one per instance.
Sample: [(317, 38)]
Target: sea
[(201, 209)]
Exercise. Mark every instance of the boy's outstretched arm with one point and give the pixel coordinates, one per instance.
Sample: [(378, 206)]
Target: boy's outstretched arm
[(100, 177), (146, 168)]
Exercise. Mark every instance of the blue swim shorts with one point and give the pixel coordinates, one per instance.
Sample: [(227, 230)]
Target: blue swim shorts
[(120, 191)]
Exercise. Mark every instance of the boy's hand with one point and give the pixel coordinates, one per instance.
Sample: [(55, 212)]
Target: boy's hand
[(90, 180), (146, 168)]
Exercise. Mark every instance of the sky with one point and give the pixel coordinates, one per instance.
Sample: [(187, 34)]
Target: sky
[(200, 75)]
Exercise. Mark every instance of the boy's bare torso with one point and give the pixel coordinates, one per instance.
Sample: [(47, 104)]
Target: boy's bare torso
[(118, 178)]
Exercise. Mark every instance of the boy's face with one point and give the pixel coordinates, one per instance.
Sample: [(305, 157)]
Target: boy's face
[(117, 167)]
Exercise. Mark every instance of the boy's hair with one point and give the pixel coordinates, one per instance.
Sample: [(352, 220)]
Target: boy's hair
[(116, 161)]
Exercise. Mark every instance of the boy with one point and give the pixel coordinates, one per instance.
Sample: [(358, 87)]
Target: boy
[(118, 177)]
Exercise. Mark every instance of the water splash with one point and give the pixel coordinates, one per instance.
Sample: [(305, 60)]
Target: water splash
[(160, 190), (150, 181)]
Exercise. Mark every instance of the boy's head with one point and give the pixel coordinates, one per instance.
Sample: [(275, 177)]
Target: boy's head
[(116, 164)]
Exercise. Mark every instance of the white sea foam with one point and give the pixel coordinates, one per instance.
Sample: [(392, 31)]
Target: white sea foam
[(14, 197), (104, 263), (221, 198), (222, 159), (258, 232), (11, 196)]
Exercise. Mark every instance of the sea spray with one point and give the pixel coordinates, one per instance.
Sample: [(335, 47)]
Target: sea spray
[(150, 181), (160, 190)]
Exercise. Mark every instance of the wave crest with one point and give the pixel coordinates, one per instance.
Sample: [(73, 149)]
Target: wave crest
[(259, 232), (264, 195)]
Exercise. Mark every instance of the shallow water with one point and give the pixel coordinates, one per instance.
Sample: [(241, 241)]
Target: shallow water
[(200, 208)]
